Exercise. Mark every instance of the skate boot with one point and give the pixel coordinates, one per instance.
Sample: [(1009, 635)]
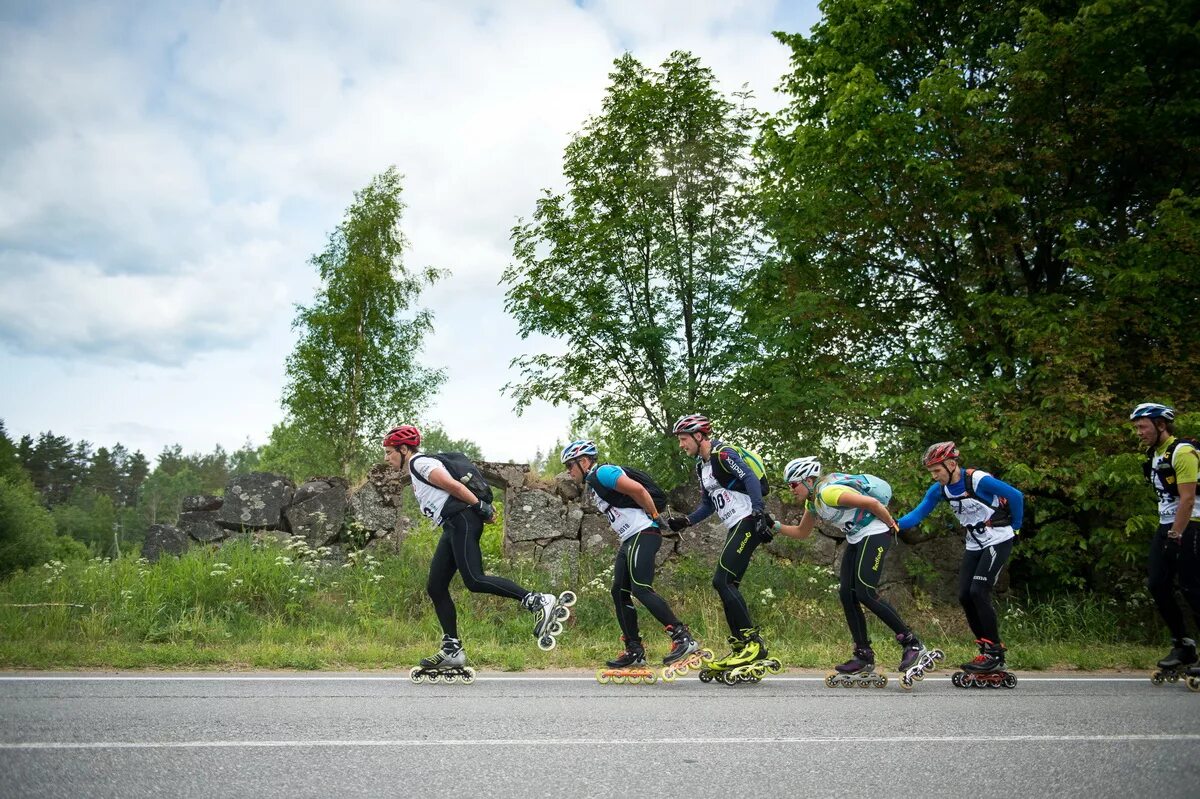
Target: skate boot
[(1174, 665), (750, 663), (987, 670), (448, 664), (857, 672), (685, 652), (713, 669), (915, 660), (628, 667), (551, 612)]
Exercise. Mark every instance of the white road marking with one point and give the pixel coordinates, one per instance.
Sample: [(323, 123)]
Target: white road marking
[(605, 742)]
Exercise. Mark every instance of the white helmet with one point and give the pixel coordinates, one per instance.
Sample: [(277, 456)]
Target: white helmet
[(1152, 410), (800, 469)]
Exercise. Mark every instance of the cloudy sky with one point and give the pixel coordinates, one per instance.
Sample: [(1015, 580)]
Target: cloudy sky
[(167, 170)]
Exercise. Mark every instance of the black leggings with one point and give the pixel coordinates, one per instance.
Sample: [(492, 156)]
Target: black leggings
[(862, 563), (633, 576), (458, 551), (976, 579), (740, 544), (1171, 559)]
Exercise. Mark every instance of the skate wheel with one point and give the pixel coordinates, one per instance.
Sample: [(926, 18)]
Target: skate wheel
[(561, 614), (433, 677), (830, 680), (882, 681), (906, 683), (468, 676), (567, 598), (546, 643), (728, 678), (649, 679), (774, 666), (668, 675), (450, 679), (555, 628), (601, 677), (1193, 683), (1172, 677), (706, 676), (1157, 678), (918, 676), (1010, 681), (416, 676)]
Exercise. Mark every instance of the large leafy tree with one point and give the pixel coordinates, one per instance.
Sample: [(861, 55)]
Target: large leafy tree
[(636, 268), (354, 370), (986, 217)]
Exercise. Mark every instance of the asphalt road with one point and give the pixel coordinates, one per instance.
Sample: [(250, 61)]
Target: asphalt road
[(563, 735)]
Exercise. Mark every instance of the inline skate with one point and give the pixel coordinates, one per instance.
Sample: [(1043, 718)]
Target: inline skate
[(629, 667), (1193, 678), (685, 653), (987, 670), (1174, 666), (857, 672), (916, 660), (448, 664), (746, 662), (551, 611)]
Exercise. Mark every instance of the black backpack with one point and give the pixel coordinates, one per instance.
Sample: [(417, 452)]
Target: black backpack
[(464, 471), (1166, 471), (621, 500)]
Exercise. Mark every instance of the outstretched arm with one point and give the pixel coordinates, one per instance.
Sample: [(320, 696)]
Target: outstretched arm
[(930, 501)]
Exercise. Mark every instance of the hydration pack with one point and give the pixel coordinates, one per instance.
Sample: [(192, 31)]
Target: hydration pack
[(464, 471), (1166, 470), (620, 499)]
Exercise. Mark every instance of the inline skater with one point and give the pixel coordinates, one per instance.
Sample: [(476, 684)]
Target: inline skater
[(1171, 468), (632, 502), (731, 489), (448, 501), (857, 504), (991, 510)]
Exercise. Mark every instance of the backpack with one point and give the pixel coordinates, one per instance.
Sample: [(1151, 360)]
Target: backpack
[(1001, 514), (851, 520), (464, 471), (1166, 470), (621, 500), (752, 460)]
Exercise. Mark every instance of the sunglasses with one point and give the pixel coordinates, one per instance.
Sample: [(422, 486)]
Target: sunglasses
[(794, 485)]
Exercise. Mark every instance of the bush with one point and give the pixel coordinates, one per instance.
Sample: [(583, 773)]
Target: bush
[(27, 533)]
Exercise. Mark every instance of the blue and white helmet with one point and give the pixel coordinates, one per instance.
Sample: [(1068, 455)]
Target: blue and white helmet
[(800, 469), (1152, 410), (577, 449)]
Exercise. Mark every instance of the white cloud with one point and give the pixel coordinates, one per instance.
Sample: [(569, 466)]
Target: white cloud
[(167, 170)]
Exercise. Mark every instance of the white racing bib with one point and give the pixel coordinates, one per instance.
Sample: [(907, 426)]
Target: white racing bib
[(732, 506)]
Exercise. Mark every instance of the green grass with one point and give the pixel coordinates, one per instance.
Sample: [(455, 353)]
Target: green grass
[(266, 606)]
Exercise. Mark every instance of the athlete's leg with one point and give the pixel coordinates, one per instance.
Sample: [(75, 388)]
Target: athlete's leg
[(441, 572), (621, 594), (871, 556), (1189, 569), (1163, 566), (731, 566), (966, 578), (855, 619), (641, 577), (983, 582), (465, 530)]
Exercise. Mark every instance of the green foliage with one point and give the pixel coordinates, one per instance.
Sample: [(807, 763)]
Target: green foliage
[(987, 224), (353, 373), (638, 266), (27, 533)]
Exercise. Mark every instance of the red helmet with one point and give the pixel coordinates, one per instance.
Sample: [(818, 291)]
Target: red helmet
[(404, 434), (692, 423), (941, 451)]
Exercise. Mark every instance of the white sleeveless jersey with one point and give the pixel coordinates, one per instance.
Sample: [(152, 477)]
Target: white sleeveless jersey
[(732, 506), (974, 514), (431, 499), (626, 522)]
